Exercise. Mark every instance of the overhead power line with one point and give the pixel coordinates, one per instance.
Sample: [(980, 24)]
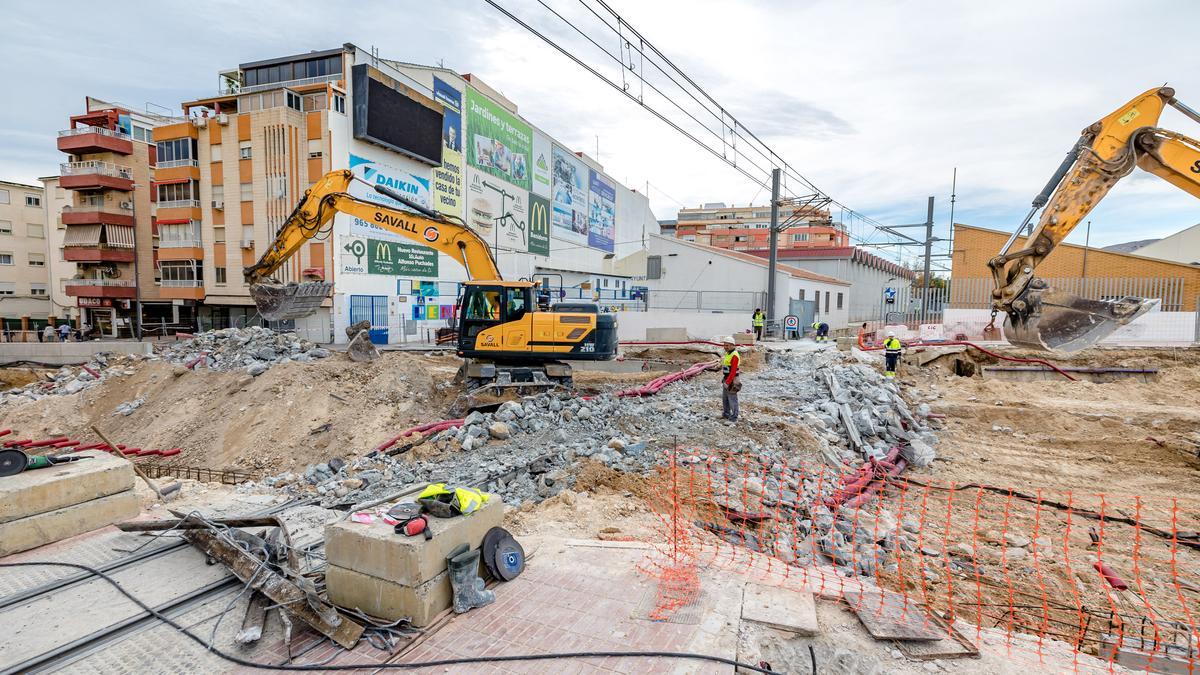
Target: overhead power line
[(722, 135)]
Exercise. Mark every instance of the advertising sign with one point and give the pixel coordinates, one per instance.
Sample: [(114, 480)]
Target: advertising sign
[(413, 187), (602, 212), (539, 225), (541, 165), (497, 142), (569, 204), (360, 255), (498, 211), (448, 178)]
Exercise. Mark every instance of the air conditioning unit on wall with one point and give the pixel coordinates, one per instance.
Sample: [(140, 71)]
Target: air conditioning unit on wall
[(247, 243), (223, 119), (200, 122), (218, 204)]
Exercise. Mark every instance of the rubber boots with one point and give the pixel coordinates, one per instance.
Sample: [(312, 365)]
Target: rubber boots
[(463, 565)]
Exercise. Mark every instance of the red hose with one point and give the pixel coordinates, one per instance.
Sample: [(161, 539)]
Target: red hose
[(964, 343), (642, 343)]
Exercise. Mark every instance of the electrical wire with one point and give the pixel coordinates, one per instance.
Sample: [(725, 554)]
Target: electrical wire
[(385, 666)]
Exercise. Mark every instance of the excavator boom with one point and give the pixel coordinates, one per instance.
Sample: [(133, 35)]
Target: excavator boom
[(1040, 317), (312, 216)]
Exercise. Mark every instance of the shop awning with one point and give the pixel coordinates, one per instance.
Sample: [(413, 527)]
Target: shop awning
[(82, 235), (119, 236)]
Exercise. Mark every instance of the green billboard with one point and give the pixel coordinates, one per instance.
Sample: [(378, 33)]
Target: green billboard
[(497, 142), (396, 259)]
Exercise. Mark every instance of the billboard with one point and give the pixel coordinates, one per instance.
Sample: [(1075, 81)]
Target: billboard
[(411, 186), (602, 212), (498, 143), (570, 190), (364, 255), (541, 164), (539, 225), (448, 178), (395, 120), (498, 211)]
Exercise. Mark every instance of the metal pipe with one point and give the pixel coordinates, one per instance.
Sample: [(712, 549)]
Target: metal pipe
[(1184, 108)]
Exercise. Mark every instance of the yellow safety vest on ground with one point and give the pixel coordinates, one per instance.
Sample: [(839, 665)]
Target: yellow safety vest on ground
[(759, 317), (892, 345), (461, 499)]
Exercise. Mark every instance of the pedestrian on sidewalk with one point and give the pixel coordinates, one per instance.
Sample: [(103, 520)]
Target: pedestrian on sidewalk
[(757, 320), (48, 333), (731, 384), (891, 355)]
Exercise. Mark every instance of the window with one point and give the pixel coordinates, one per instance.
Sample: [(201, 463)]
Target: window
[(826, 302), (839, 304), (5, 227), (177, 152), (803, 236), (801, 295), (247, 192), (516, 306), (33, 200), (339, 103), (220, 276), (218, 193), (219, 235), (244, 150), (654, 267), (293, 100), (37, 260), (315, 102), (6, 258), (314, 148), (178, 235), (35, 230), (3, 196), (172, 192), (178, 273), (142, 134), (8, 288), (214, 152), (37, 289)]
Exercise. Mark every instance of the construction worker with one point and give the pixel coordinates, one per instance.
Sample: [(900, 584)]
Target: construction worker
[(758, 319), (891, 354), (822, 331), (730, 384)]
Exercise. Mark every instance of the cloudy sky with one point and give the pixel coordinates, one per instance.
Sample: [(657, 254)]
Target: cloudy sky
[(875, 102)]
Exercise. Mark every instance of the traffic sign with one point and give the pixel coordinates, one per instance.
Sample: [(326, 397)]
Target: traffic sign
[(791, 322)]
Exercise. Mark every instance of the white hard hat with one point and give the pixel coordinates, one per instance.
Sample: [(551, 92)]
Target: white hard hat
[(728, 340), (891, 333)]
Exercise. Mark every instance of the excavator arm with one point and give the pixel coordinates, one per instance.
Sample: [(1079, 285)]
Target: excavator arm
[(1040, 317), (313, 215)]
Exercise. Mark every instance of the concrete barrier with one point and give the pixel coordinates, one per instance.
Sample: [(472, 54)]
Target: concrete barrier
[(68, 353)]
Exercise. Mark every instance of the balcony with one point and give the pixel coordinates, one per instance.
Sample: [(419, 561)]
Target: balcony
[(85, 140), (291, 84), (177, 169), (97, 254), (179, 204), (180, 250), (101, 288), (95, 175), (176, 163), (181, 289), (87, 214)]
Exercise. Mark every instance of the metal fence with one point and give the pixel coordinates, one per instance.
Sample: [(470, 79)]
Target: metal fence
[(977, 293), (914, 306)]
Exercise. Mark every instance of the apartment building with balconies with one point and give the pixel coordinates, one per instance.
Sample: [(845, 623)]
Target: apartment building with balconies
[(748, 228), (110, 220), (248, 154), (55, 203), (24, 280)]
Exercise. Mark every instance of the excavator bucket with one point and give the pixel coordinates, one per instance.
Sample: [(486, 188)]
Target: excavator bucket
[(1056, 320), (279, 302)]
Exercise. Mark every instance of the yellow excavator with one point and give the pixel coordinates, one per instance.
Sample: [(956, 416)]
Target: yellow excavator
[(1042, 318), (506, 330)]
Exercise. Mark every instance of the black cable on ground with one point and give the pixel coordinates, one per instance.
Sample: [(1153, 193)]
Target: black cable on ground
[(387, 666)]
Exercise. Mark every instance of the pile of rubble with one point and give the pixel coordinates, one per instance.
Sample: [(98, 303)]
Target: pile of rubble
[(69, 380), (254, 349)]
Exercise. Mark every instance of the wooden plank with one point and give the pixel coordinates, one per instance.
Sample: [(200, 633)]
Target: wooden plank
[(781, 608), (890, 616)]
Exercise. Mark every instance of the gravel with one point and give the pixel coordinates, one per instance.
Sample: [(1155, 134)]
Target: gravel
[(254, 349)]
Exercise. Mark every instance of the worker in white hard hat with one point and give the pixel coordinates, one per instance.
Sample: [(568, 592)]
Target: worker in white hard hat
[(731, 361), (891, 354)]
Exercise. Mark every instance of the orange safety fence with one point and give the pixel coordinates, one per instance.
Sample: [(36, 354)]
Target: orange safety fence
[(1041, 569)]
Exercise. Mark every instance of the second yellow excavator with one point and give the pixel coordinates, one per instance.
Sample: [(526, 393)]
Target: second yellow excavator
[(1042, 318), (507, 337)]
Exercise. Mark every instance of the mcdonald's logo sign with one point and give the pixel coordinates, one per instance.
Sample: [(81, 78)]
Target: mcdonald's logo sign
[(539, 225), (383, 251)]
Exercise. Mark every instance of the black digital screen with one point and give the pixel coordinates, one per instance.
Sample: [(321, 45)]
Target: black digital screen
[(386, 117)]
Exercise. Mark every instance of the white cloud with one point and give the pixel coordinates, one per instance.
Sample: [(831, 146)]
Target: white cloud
[(875, 101)]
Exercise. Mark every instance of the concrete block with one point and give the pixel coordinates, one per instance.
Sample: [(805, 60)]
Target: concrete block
[(377, 550), (51, 526), (43, 490), (781, 608), (845, 344), (666, 334), (387, 600), (743, 338)]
